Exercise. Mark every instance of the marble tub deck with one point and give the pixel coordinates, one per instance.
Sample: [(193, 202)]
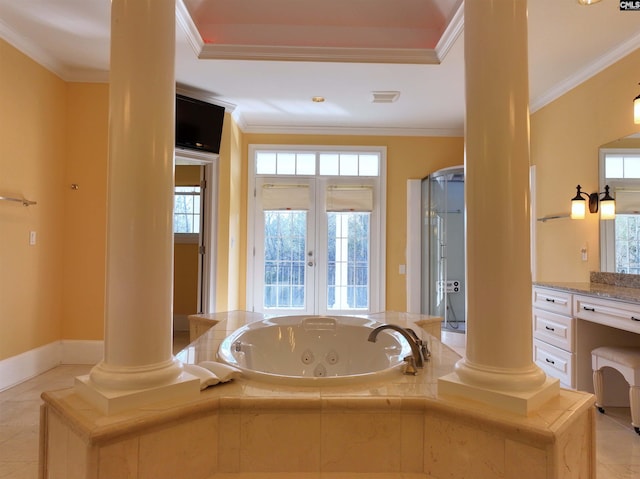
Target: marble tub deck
[(397, 429)]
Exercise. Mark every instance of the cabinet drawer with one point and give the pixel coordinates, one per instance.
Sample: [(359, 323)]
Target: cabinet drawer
[(616, 314), (558, 302), (554, 329), (556, 362)]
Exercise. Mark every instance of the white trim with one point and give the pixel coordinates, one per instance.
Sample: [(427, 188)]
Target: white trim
[(414, 241), (185, 156), (29, 364), (378, 290), (583, 75), (208, 267), (454, 28), (426, 56), (184, 20), (352, 131)]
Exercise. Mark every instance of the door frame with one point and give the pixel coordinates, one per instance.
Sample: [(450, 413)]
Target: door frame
[(378, 272)]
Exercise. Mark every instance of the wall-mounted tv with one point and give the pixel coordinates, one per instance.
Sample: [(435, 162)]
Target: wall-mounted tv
[(198, 124)]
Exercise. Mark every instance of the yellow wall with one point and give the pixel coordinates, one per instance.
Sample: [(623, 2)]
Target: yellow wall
[(185, 255), (32, 155), (565, 138), (85, 209), (407, 158)]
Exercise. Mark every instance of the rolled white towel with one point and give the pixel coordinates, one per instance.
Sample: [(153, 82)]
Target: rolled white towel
[(223, 371), (211, 373)]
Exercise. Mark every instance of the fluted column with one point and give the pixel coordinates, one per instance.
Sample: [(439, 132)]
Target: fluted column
[(139, 282), (499, 333)]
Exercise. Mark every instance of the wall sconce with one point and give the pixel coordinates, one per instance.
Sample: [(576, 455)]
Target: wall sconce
[(587, 2), (607, 204)]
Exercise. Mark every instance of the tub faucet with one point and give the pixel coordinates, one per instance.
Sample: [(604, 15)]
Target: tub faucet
[(419, 351)]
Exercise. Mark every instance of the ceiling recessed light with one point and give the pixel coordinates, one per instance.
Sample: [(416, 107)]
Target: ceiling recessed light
[(384, 96), (317, 99)]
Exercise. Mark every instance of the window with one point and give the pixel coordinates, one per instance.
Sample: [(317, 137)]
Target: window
[(186, 210), (317, 229), (620, 237)]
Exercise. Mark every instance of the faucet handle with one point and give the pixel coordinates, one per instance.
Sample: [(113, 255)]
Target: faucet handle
[(426, 354), (410, 367)]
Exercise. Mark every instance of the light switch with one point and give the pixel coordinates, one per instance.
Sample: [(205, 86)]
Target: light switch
[(32, 238)]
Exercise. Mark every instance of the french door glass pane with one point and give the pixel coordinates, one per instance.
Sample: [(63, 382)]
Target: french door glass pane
[(348, 261), (284, 259)]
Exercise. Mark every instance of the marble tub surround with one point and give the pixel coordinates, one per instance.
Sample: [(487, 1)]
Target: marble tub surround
[(249, 429)]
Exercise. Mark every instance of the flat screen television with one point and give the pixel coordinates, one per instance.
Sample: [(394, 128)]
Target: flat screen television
[(198, 124)]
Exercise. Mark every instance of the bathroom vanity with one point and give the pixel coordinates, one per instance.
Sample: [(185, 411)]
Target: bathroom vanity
[(571, 319)]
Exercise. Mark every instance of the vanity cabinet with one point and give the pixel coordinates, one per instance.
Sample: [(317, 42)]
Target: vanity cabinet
[(553, 334), (569, 323)]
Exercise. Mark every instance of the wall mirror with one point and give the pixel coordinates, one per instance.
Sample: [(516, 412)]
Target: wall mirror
[(620, 237)]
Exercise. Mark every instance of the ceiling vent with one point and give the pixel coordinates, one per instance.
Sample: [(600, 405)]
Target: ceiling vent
[(384, 96)]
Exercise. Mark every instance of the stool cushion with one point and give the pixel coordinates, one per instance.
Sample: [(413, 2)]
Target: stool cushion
[(627, 356)]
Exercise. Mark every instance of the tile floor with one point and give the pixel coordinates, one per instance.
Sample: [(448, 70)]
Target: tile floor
[(618, 446)]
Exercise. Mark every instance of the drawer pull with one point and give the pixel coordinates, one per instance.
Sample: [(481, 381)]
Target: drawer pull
[(633, 318), (549, 361), (589, 309), (551, 300), (549, 328)]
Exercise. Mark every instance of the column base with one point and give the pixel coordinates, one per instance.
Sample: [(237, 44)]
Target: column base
[(518, 402), (112, 401)]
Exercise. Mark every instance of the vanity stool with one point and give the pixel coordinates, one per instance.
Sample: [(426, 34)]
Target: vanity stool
[(625, 360)]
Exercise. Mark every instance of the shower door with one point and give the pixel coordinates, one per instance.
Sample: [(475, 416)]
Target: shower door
[(443, 247)]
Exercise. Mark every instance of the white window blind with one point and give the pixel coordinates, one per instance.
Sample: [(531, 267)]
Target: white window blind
[(627, 201), (349, 198), (285, 197)]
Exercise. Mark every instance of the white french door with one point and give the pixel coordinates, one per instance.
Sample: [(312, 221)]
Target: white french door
[(285, 276), (315, 240)]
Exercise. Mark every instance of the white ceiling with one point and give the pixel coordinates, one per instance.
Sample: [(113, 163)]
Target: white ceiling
[(339, 49)]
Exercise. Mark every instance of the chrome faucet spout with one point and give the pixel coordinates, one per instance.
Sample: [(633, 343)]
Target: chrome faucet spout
[(419, 350)]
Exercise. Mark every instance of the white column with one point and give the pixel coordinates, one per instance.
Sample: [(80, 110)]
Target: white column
[(498, 367), (139, 282)]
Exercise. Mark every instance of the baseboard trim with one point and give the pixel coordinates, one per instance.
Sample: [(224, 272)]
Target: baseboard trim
[(29, 364)]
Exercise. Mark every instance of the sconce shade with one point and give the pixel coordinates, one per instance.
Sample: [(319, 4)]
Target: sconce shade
[(578, 206), (587, 2), (636, 110), (607, 206)]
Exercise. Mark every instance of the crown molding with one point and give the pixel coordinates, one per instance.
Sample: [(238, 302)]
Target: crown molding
[(204, 95), (319, 54), (451, 33), (586, 73), (183, 19), (33, 51), (351, 131)]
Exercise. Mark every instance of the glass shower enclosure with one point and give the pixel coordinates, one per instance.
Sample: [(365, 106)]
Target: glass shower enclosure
[(443, 247)]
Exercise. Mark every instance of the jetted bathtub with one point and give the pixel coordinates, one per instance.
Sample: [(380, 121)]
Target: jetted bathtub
[(314, 350)]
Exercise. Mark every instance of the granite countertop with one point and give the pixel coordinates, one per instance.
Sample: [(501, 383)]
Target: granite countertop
[(601, 290)]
